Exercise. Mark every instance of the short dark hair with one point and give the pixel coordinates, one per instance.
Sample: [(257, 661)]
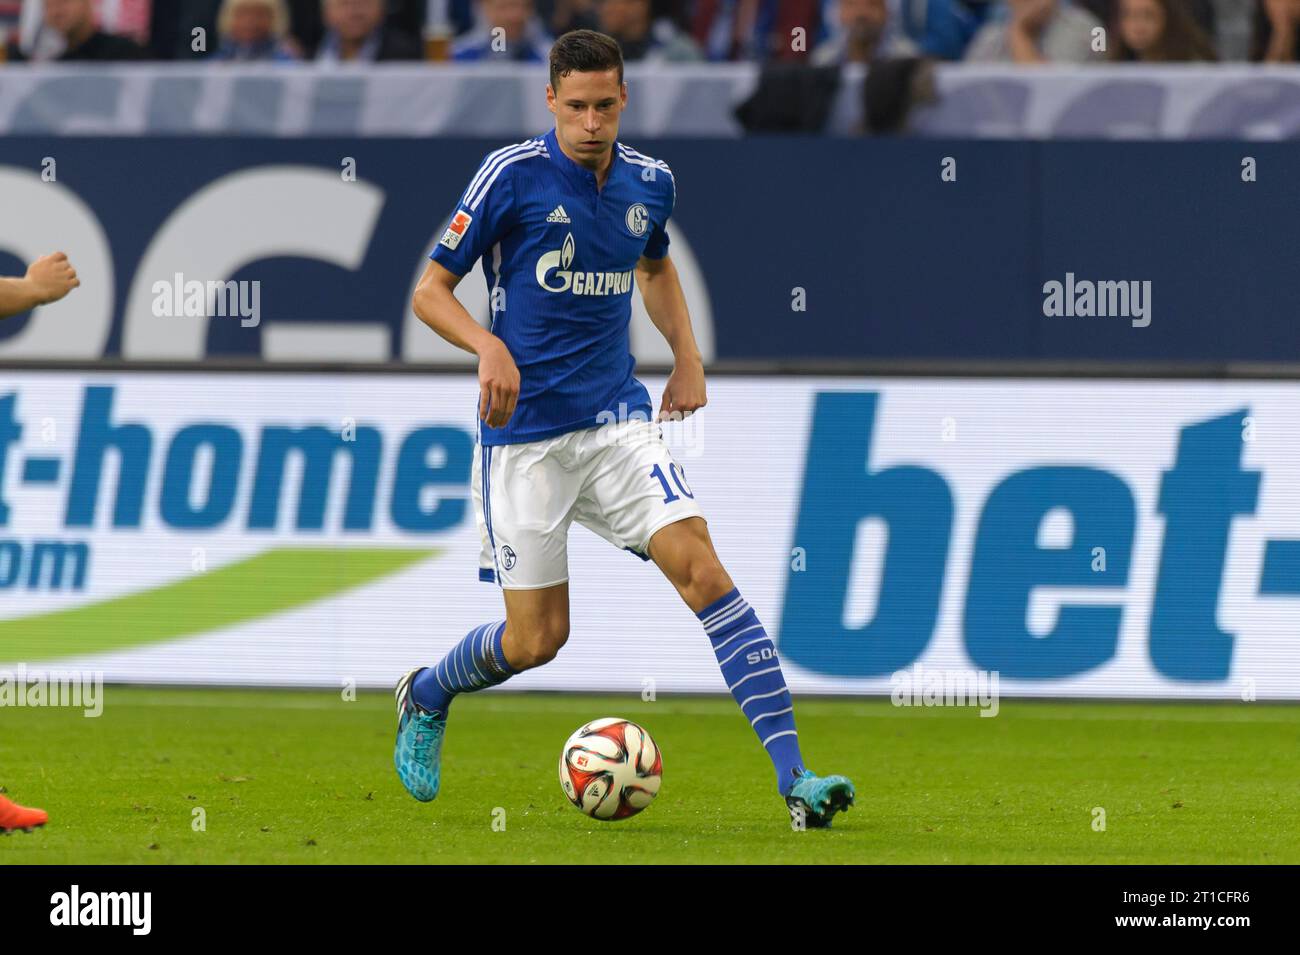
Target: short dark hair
[(585, 51)]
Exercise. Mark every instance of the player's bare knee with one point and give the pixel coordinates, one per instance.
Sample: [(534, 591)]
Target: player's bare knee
[(706, 579), (541, 643), (551, 639)]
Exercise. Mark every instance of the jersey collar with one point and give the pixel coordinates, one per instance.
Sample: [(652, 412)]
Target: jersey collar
[(576, 170)]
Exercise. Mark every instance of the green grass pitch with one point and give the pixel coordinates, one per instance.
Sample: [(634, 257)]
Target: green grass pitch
[(305, 777)]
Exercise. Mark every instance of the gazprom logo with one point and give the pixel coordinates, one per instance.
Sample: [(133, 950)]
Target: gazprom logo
[(579, 283)]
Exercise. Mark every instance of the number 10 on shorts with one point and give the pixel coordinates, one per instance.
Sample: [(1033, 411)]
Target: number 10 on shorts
[(679, 478)]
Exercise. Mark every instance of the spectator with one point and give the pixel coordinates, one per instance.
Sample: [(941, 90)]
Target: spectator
[(791, 98), (411, 18), (1036, 31), (10, 11), (254, 30), (1202, 12), (1233, 24), (643, 39), (1158, 31), (507, 30), (1228, 23), (172, 26), (677, 11), (1103, 10), (757, 29), (943, 28), (864, 33), (307, 25), (1277, 31), (890, 92), (562, 16), (69, 34), (355, 32)]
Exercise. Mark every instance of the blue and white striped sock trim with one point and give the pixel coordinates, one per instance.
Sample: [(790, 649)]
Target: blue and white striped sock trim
[(491, 637), (746, 679), (780, 734), (725, 616), (763, 716), (718, 648)]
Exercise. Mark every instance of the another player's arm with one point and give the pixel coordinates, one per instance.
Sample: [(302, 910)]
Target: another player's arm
[(48, 279), (498, 377), (665, 302)]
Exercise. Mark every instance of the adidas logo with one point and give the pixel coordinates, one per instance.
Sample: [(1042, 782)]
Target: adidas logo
[(558, 215)]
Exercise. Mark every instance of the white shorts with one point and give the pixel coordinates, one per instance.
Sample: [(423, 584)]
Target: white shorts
[(619, 480)]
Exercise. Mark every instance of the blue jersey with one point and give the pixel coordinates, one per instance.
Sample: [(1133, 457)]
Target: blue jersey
[(558, 256)]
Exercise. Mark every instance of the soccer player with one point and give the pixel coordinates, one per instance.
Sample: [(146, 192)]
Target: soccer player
[(48, 279), (563, 224), (14, 816)]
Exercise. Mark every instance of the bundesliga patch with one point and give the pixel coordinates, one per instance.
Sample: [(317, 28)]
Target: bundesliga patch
[(456, 230)]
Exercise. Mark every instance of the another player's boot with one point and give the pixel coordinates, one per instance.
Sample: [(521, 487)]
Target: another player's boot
[(14, 816), (816, 799), (418, 752)]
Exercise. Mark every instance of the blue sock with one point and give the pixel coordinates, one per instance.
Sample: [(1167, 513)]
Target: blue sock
[(473, 664), (753, 674)]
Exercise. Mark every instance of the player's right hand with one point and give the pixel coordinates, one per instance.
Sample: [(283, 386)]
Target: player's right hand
[(51, 277), (498, 384)]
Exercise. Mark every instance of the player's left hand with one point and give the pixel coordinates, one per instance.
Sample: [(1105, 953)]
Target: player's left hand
[(684, 393)]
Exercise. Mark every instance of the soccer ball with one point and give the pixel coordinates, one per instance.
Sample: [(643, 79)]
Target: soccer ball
[(610, 769)]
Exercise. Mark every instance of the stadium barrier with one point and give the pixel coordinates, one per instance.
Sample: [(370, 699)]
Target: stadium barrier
[(1151, 253), (1111, 101), (1075, 537)]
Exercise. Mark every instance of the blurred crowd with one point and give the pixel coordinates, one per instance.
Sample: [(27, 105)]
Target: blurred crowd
[(820, 32)]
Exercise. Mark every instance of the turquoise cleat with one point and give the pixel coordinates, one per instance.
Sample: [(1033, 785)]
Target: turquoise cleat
[(418, 752), (816, 799)]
